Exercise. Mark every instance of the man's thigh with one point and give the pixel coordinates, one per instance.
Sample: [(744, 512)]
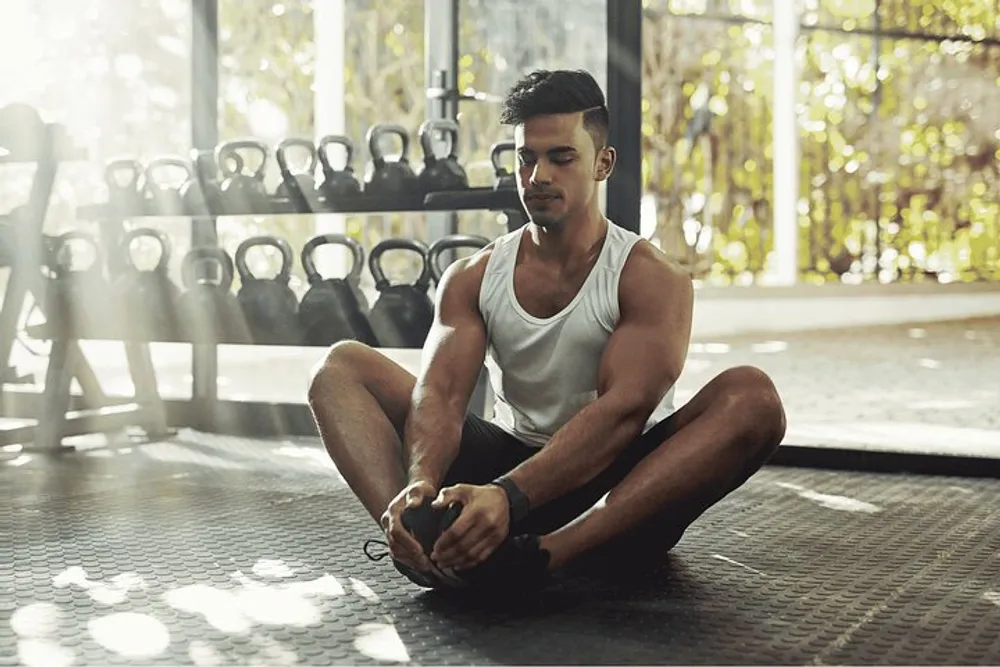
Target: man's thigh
[(485, 453)]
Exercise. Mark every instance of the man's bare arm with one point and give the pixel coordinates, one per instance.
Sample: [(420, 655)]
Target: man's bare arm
[(642, 360), (452, 361)]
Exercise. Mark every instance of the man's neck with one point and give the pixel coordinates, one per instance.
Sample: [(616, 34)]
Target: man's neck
[(572, 241)]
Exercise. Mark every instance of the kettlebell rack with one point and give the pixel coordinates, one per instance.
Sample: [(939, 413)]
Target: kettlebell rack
[(25, 139), (67, 325)]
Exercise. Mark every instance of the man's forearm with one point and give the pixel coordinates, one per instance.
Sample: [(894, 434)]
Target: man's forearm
[(580, 450), (431, 438)]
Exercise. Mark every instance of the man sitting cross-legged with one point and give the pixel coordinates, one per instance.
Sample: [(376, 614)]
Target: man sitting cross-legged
[(584, 328)]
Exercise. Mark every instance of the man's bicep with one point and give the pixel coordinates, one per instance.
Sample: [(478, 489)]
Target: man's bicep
[(456, 344), (647, 351)]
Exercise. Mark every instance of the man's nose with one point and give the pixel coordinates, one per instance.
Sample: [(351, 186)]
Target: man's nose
[(541, 174)]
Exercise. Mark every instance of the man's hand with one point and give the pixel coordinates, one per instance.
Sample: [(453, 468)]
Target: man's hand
[(402, 545), (479, 529)]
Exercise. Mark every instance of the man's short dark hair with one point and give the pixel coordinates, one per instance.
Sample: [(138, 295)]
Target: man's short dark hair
[(546, 92)]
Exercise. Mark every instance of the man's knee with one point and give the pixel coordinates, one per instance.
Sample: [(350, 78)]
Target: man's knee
[(749, 392), (344, 361)]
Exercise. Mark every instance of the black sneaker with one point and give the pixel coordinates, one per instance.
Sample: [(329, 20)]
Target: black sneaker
[(519, 564), (436, 578), (426, 523)]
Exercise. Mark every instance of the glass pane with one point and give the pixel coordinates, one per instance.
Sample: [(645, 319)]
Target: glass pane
[(501, 41), (707, 143)]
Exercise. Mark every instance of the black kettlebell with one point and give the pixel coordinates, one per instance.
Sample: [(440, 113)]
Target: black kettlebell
[(505, 179), (297, 186), (147, 296), (21, 129), (393, 179), (163, 195), (80, 304), (441, 173), (451, 242), (403, 313), (124, 178), (337, 183), (269, 305), (202, 193), (242, 193), (208, 310), (334, 309)]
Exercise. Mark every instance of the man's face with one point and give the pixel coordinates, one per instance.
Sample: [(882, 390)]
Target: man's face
[(558, 167)]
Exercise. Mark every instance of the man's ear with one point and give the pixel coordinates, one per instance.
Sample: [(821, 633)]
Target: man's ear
[(605, 163)]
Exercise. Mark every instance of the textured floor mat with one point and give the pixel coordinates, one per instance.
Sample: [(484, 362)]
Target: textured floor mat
[(220, 551)]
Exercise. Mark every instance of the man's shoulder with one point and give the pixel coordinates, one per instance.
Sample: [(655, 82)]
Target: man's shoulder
[(463, 279), (648, 266)]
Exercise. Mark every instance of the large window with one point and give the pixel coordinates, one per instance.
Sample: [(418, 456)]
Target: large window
[(897, 138)]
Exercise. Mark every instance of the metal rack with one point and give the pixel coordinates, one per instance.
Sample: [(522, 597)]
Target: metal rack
[(55, 412), (441, 39), (206, 411)]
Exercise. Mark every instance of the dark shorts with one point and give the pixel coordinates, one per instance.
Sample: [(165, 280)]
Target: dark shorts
[(487, 451)]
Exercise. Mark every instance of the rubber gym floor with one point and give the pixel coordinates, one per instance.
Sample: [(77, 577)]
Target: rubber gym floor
[(212, 550)]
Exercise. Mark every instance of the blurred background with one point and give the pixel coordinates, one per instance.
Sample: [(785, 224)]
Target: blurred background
[(816, 165)]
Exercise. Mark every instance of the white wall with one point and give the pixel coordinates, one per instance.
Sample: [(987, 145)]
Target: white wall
[(735, 310)]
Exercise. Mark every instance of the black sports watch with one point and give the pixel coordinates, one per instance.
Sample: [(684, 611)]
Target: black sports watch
[(517, 502)]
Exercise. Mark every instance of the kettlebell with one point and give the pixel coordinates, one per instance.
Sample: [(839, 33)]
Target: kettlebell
[(337, 183), (334, 309), (147, 297), (242, 193), (202, 194), (21, 129), (269, 305), (445, 243), (79, 300), (124, 180), (162, 196), (208, 310), (504, 179), (403, 313), (297, 186), (392, 179), (441, 173)]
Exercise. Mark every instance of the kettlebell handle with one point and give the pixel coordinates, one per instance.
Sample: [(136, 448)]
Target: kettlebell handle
[(496, 151), (62, 241), (228, 150), (450, 243), (284, 273), (161, 163), (207, 254), (206, 165), (121, 166), (281, 153), (375, 261), (324, 157), (162, 239), (309, 256), (427, 130), (375, 134)]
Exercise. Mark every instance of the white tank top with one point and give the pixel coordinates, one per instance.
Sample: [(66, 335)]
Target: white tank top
[(544, 370)]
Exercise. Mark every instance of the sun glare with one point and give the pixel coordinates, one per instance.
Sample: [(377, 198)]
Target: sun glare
[(19, 50)]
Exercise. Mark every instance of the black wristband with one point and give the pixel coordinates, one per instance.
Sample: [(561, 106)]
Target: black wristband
[(517, 502)]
